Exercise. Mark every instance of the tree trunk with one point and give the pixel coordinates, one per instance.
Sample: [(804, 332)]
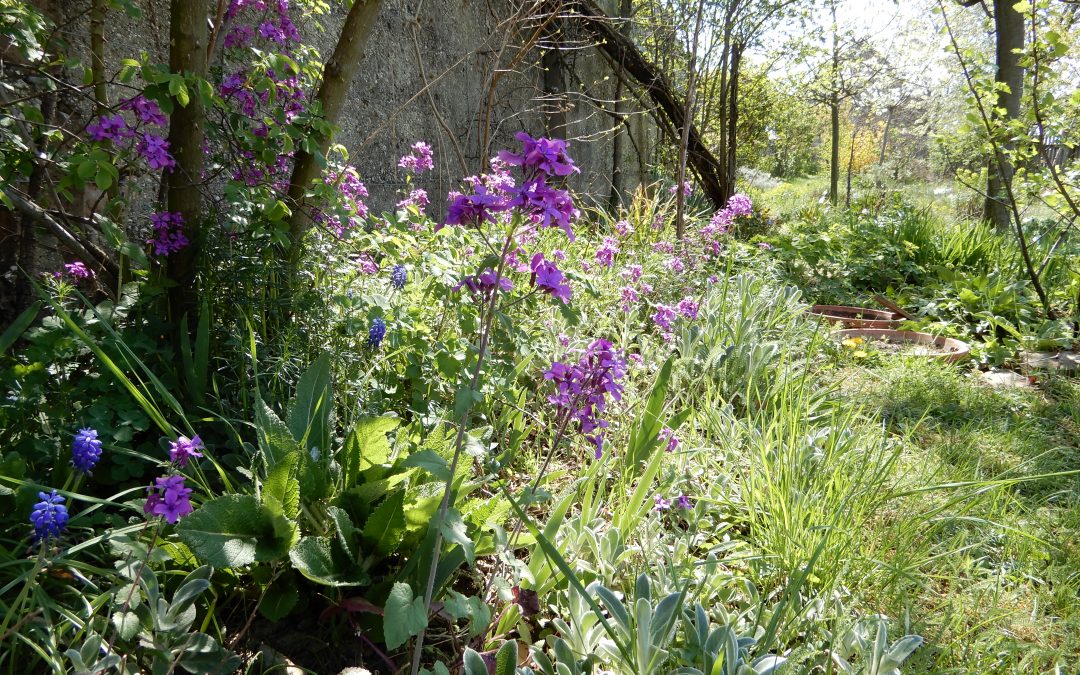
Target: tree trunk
[(850, 161), (554, 87), (337, 76), (187, 54), (885, 134), (688, 120), (1009, 39), (618, 142), (834, 160), (733, 122)]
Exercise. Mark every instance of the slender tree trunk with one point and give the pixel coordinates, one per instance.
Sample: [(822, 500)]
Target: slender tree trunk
[(834, 159), (554, 87), (338, 74), (733, 122), (885, 134), (688, 120), (1009, 38), (98, 9), (850, 161), (187, 54), (618, 142)]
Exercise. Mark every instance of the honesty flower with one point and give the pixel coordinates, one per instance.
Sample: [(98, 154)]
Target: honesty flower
[(605, 255), (624, 228), (49, 516), (109, 128), (688, 308), (684, 503), (583, 388), (156, 151), (546, 205), (420, 160), (541, 155), (85, 450), (474, 209), (168, 232), (78, 270), (549, 278), (664, 316), (146, 110), (668, 435), (169, 498), (184, 448), (629, 297), (661, 503)]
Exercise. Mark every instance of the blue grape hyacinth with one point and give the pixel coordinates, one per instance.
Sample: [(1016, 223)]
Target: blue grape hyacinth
[(85, 450), (49, 516), (376, 333), (399, 276)]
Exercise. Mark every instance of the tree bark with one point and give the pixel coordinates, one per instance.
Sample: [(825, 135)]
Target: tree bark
[(885, 134), (187, 54), (630, 59), (337, 77), (618, 141), (834, 160), (1009, 42), (554, 87), (688, 120), (733, 121)]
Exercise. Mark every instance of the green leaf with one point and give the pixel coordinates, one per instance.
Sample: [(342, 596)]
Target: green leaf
[(460, 606), (366, 446), (430, 462), (281, 489), (314, 558), (279, 599), (385, 527), (275, 440), (454, 530), (309, 416), (650, 423), (403, 616), (234, 531), (127, 624), (19, 326), (474, 663), (178, 89), (506, 659), (347, 533)]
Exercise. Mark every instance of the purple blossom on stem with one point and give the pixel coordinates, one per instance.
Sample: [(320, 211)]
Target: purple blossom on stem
[(583, 389), (664, 317), (85, 450), (376, 333), (146, 110), (168, 498), (687, 188), (688, 308), (184, 448), (663, 247), (156, 151), (417, 198), (540, 155), (668, 435), (661, 503), (549, 278), (367, 265), (399, 276), (684, 503), (109, 128), (168, 227), (78, 271), (605, 255), (629, 298), (419, 160), (474, 209), (676, 265), (624, 228), (545, 205), (631, 273)]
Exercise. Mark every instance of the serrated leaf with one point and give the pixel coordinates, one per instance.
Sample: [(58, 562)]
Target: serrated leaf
[(346, 531), (367, 446), (127, 624), (281, 489), (430, 462), (385, 527), (309, 415), (403, 616), (453, 528), (275, 439), (234, 531), (314, 558)]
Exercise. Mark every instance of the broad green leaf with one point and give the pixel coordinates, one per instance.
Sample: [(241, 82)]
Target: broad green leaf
[(474, 663), (275, 440), (347, 534), (453, 528), (403, 616), (506, 659), (314, 557), (309, 416), (367, 446), (279, 599), (385, 527), (430, 462), (281, 489), (234, 531), (19, 326)]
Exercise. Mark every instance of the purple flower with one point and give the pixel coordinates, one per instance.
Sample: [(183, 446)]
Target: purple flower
[(146, 110), (367, 265), (168, 498), (547, 206), (376, 333), (687, 188), (417, 198), (764, 245), (624, 228), (85, 450), (676, 265), (713, 279), (474, 209), (185, 448), (668, 435), (683, 502), (664, 316), (168, 227), (49, 516), (399, 276), (156, 151), (550, 278), (739, 205), (109, 128), (239, 36), (78, 271), (420, 160), (583, 389), (662, 504), (663, 247), (605, 255), (541, 155), (558, 254), (629, 298), (269, 31), (631, 273), (688, 308)]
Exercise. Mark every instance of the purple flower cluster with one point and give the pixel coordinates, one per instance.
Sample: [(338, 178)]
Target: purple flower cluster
[(168, 227), (624, 228), (169, 498), (184, 448), (76, 270), (486, 281), (583, 389), (738, 205), (399, 276), (631, 273), (687, 189), (49, 516), (605, 255), (668, 436), (474, 209), (156, 151), (549, 278), (276, 25), (664, 316), (417, 198), (350, 211), (682, 502), (419, 160), (688, 307), (109, 128), (376, 333), (146, 110), (546, 156), (85, 450), (367, 264), (629, 298)]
